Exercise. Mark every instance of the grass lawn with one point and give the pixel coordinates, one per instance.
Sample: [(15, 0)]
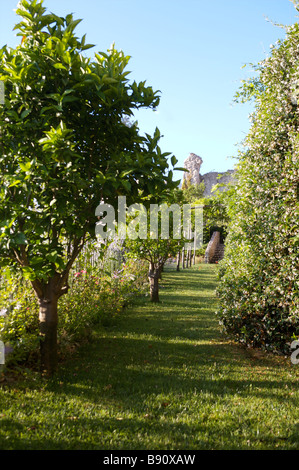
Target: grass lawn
[(164, 378)]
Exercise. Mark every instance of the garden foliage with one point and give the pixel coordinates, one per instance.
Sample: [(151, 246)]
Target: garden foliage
[(259, 291), (66, 148), (97, 295)]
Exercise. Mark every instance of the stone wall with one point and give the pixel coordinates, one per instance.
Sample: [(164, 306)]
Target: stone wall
[(215, 249), (214, 177), (212, 246)]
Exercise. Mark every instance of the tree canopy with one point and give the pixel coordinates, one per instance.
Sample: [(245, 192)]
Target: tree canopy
[(65, 147)]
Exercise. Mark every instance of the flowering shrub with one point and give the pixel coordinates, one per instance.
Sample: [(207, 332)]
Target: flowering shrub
[(259, 289), (94, 297)]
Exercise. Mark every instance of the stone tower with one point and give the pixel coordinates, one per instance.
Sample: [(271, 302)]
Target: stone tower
[(193, 164)]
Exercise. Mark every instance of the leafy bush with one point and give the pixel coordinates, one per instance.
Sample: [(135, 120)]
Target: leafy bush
[(259, 290)]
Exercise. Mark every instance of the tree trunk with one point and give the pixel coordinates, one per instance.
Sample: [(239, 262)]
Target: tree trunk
[(48, 320), (154, 288), (183, 258), (153, 276), (178, 261), (48, 295), (189, 258)]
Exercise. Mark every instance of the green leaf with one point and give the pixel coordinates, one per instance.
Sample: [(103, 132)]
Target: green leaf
[(24, 13), (25, 166), (174, 160), (109, 80), (15, 183), (25, 113), (28, 273), (125, 173), (59, 67), (69, 99), (87, 46), (126, 184), (20, 238)]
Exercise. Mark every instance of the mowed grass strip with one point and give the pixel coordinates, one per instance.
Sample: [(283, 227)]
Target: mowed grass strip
[(161, 378)]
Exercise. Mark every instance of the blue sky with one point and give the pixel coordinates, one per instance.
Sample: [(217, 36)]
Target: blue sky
[(192, 51)]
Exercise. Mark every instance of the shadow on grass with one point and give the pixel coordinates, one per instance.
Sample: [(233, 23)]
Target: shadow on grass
[(161, 367), (174, 347), (163, 377)]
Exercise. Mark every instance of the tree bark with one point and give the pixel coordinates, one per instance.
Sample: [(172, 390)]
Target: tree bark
[(178, 261), (154, 275), (48, 295), (188, 259), (48, 321)]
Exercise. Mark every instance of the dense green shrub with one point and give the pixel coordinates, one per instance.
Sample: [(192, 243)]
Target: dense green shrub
[(259, 290)]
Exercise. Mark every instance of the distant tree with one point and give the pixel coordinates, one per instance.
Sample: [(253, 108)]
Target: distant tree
[(156, 252), (65, 147), (186, 182), (193, 192), (215, 212), (157, 234)]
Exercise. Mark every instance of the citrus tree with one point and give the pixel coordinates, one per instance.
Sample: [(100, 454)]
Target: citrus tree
[(65, 147), (158, 233), (156, 252)]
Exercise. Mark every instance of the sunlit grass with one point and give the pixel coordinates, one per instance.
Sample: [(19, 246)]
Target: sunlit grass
[(163, 377)]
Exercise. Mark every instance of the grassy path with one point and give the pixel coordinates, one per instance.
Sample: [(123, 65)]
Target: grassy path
[(163, 378)]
